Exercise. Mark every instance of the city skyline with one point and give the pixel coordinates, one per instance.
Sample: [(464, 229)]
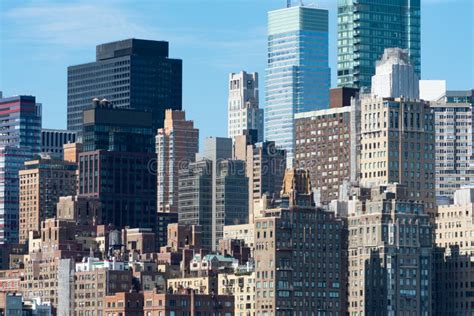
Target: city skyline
[(214, 53)]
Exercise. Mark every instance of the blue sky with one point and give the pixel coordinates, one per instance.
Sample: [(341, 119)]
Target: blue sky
[(39, 39)]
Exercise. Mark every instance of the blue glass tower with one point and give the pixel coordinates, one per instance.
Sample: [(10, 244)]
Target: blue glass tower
[(298, 74)]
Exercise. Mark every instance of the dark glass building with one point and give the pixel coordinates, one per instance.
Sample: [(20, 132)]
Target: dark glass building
[(108, 127), (132, 73), (116, 167)]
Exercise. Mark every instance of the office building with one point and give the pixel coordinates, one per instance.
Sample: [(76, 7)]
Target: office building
[(71, 152), (317, 280), (243, 112), (42, 182), (20, 141), (394, 76), (213, 191), (365, 28), (108, 127), (129, 73), (454, 123), (53, 140), (115, 165), (454, 237), (323, 147), (265, 168), (122, 184), (298, 74), (390, 254), (177, 144)]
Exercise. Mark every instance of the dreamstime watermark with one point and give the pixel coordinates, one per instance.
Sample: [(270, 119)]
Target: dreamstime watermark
[(273, 162)]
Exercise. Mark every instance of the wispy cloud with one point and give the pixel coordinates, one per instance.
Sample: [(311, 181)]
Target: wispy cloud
[(70, 24)]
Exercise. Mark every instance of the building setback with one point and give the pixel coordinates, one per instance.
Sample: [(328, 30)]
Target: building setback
[(297, 74), (365, 28), (130, 73)]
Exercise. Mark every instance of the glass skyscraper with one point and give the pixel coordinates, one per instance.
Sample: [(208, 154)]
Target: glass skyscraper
[(298, 74), (366, 28)]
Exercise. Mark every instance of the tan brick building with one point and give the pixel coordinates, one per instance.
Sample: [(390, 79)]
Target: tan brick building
[(390, 244), (242, 287), (42, 182), (300, 255), (454, 265), (397, 145)]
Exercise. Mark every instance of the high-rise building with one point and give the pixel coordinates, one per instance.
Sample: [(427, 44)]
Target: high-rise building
[(366, 28), (265, 168), (115, 167), (390, 254), (42, 182), (243, 112), (177, 144), (53, 140), (394, 76), (397, 134), (317, 280), (397, 145), (323, 147), (130, 73), (454, 121), (213, 192), (108, 127), (20, 141), (298, 74), (454, 280)]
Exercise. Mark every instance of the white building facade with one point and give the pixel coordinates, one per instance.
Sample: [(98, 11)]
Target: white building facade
[(243, 111)]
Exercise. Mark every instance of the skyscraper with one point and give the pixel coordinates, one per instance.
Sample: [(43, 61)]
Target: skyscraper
[(243, 111), (366, 28), (114, 168), (130, 73), (297, 75), (177, 144), (20, 141), (454, 121), (213, 191), (397, 138)]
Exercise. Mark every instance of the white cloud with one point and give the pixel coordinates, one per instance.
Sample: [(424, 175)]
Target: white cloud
[(70, 24)]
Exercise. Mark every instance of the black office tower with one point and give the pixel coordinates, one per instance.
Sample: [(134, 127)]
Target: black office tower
[(132, 73)]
